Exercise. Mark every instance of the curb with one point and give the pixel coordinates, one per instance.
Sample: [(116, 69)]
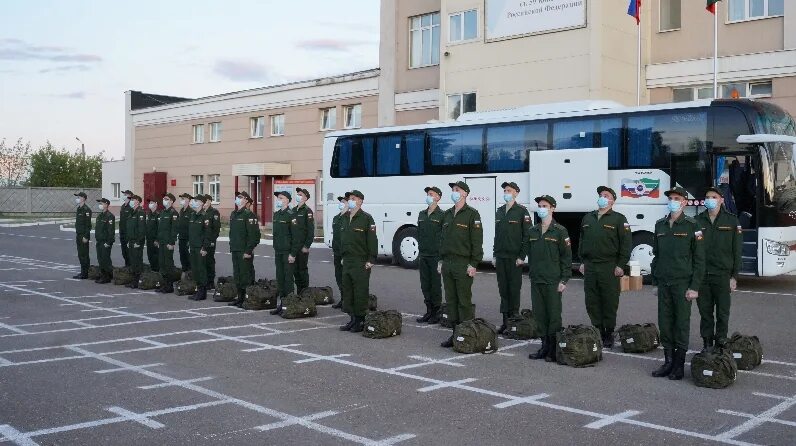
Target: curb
[(35, 223)]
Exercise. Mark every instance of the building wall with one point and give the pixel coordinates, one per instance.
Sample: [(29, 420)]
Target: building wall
[(115, 172)]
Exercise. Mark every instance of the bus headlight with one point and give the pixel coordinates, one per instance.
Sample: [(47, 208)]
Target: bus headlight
[(776, 248)]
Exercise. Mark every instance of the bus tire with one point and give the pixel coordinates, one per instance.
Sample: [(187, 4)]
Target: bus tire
[(642, 252), (406, 247)]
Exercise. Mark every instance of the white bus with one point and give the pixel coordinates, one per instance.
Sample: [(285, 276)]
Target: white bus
[(566, 150)]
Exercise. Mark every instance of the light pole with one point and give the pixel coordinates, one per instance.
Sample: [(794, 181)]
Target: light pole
[(82, 146)]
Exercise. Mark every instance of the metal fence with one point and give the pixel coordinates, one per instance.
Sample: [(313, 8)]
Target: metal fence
[(43, 200)]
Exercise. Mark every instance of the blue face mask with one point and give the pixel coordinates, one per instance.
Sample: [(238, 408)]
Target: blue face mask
[(602, 202), (133, 204), (507, 197), (340, 206), (543, 212), (279, 204), (674, 206), (429, 200), (456, 196), (352, 204), (299, 199), (711, 203), (238, 201)]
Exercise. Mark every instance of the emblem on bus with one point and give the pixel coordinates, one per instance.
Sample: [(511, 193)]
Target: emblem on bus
[(644, 187)]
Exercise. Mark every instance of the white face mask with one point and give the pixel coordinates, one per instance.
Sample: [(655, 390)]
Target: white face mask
[(166, 204), (153, 206), (101, 207), (77, 201)]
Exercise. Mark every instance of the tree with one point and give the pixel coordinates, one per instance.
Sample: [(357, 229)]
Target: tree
[(51, 167), (14, 162)]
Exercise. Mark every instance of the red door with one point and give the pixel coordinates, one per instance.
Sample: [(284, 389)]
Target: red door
[(154, 187)]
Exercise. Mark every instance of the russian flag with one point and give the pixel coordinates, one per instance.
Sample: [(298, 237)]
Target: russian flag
[(634, 10)]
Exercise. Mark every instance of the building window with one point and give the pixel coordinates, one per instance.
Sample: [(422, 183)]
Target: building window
[(277, 125), (215, 131), (257, 126), (215, 187), (670, 15), (117, 190), (463, 26), (460, 103), (761, 89), (424, 31), (740, 10), (328, 118), (198, 134), (353, 116), (198, 185), (686, 94)]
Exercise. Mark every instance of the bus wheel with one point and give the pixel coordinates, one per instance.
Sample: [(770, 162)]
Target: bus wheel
[(406, 248), (642, 253)]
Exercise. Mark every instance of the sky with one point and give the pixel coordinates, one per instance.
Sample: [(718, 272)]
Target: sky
[(65, 64)]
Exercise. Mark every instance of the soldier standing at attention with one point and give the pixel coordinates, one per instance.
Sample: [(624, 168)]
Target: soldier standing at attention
[(550, 260), (359, 249), (82, 234), (337, 228), (244, 236), (512, 228), (124, 215), (186, 214), (429, 226), (105, 234), (677, 270), (305, 231), (168, 223), (152, 244), (604, 250), (287, 247), (724, 235), (198, 240), (461, 250), (213, 219), (136, 238)]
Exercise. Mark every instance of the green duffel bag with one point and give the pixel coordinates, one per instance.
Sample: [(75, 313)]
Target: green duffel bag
[(94, 272), (321, 295), (226, 291), (713, 368), (265, 283), (521, 327), (259, 297), (220, 280), (475, 336), (444, 319), (295, 306), (382, 324), (122, 275), (638, 338), (373, 302), (150, 280), (746, 350), (172, 275), (185, 287), (579, 346)]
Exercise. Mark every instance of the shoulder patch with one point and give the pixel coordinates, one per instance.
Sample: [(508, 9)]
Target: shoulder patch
[(740, 230), (373, 228), (527, 218)]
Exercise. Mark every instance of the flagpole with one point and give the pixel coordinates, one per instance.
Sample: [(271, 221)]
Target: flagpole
[(716, 50), (638, 67)]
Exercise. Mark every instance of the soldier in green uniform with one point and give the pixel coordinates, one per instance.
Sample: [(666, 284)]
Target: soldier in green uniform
[(550, 261), (104, 234), (152, 245), (198, 240), (124, 215), (82, 234), (359, 247), (186, 214), (168, 223), (724, 236), (677, 269), (512, 227), (461, 249), (213, 217), (244, 236), (604, 250), (136, 238), (287, 246), (305, 231), (429, 226), (337, 257)]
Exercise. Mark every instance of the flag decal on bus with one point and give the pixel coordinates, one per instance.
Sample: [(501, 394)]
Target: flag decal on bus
[(644, 187)]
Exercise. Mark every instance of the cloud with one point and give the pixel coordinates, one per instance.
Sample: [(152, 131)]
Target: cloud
[(336, 45), (242, 71), (19, 50), (80, 67), (73, 95)]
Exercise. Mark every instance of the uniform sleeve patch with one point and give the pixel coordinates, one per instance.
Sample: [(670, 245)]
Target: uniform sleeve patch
[(174, 217), (372, 227), (740, 230), (527, 218), (216, 217), (566, 240), (294, 221), (698, 235)]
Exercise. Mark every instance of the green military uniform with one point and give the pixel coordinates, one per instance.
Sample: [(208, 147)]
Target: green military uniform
[(512, 229), (285, 244), (152, 250), (167, 237), (550, 262), (305, 231), (198, 239), (186, 214), (358, 246), (337, 256), (604, 244), (213, 217), (136, 238), (244, 236), (124, 215), (83, 231), (429, 227), (105, 235), (724, 236)]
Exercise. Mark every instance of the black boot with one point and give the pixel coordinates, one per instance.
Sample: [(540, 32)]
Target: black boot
[(551, 349), (104, 278), (608, 338), (211, 285), (359, 325), (278, 310), (339, 304), (448, 342), (542, 352), (347, 327), (135, 282), (707, 343), (666, 368), (502, 328), (238, 302), (426, 316), (201, 293), (434, 318), (678, 363)]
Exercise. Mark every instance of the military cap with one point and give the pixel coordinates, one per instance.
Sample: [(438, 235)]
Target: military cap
[(357, 193), (677, 190), (136, 197), (170, 196), (244, 194), (602, 189), (283, 192), (547, 198), (345, 197), (153, 200), (201, 198), (104, 200), (434, 188), (461, 184), (81, 194), (128, 192), (512, 185), (716, 190), (208, 197), (304, 191), (186, 195)]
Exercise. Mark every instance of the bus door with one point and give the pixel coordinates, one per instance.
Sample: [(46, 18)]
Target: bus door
[(482, 198)]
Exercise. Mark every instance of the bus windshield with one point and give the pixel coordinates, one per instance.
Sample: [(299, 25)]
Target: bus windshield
[(780, 185)]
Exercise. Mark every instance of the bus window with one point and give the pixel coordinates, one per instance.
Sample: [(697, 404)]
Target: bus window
[(353, 157), (728, 123), (652, 138), (611, 137), (456, 150), (388, 154), (507, 146), (413, 162), (577, 134)]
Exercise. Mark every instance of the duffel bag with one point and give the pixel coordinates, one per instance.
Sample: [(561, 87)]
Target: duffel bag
[(713, 368), (475, 336), (185, 287), (265, 283), (382, 324), (746, 351), (444, 318), (295, 306), (579, 346), (259, 298), (94, 272), (521, 327), (222, 280), (226, 291), (150, 280), (172, 275), (638, 338), (321, 295), (122, 275)]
